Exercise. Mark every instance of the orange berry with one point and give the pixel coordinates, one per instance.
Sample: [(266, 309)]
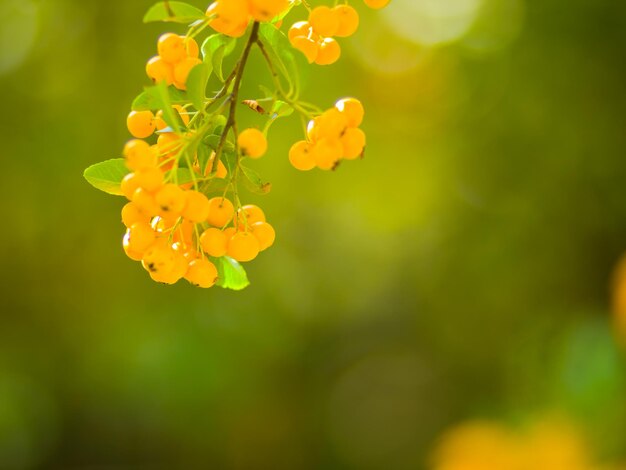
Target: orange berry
[(348, 20), (352, 109), (353, 143), (181, 71), (301, 28), (140, 237), (213, 242), (231, 17), (221, 211), (129, 185), (326, 153), (248, 215), (324, 21), (150, 179), (229, 232), (132, 214), (252, 143), (266, 10), (243, 246), (330, 124), (376, 4), (201, 273), (171, 200), (308, 47), (197, 207), (329, 52), (140, 124), (159, 258), (159, 70), (168, 144), (264, 233), (301, 157), (145, 201), (171, 48), (138, 155), (191, 47), (132, 254)]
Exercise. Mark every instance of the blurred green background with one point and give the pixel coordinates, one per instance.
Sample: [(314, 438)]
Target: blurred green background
[(460, 270)]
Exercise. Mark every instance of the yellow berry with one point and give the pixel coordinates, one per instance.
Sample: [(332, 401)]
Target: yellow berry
[(159, 70), (159, 258), (231, 17), (264, 233), (331, 124), (243, 246), (140, 236), (129, 185), (213, 242), (376, 4), (329, 52), (191, 47), (181, 71), (145, 201), (221, 211), (248, 215), (266, 10), (197, 207), (171, 200), (300, 156), (132, 254), (229, 232), (168, 144), (307, 46), (132, 214), (301, 28), (326, 153), (324, 21), (352, 109), (139, 155), (201, 273), (171, 48), (140, 124), (348, 20), (150, 179), (353, 143), (252, 143)]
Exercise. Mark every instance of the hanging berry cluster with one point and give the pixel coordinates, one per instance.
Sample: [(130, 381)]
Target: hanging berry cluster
[(183, 171)]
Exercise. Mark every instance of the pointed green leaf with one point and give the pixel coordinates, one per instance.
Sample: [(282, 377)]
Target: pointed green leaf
[(230, 274), (253, 182), (107, 176), (150, 99), (281, 109), (214, 49), (196, 84), (175, 12), (281, 54)]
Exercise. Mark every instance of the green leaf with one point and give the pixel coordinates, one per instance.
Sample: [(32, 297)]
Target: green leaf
[(230, 274), (176, 12), (150, 99), (196, 84), (254, 183), (214, 49), (281, 54), (204, 155), (184, 175), (281, 109), (107, 176), (171, 117)]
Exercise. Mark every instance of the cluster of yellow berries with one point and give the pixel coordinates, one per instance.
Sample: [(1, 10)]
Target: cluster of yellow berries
[(332, 136), (177, 56), (314, 38), (171, 228), (231, 17)]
